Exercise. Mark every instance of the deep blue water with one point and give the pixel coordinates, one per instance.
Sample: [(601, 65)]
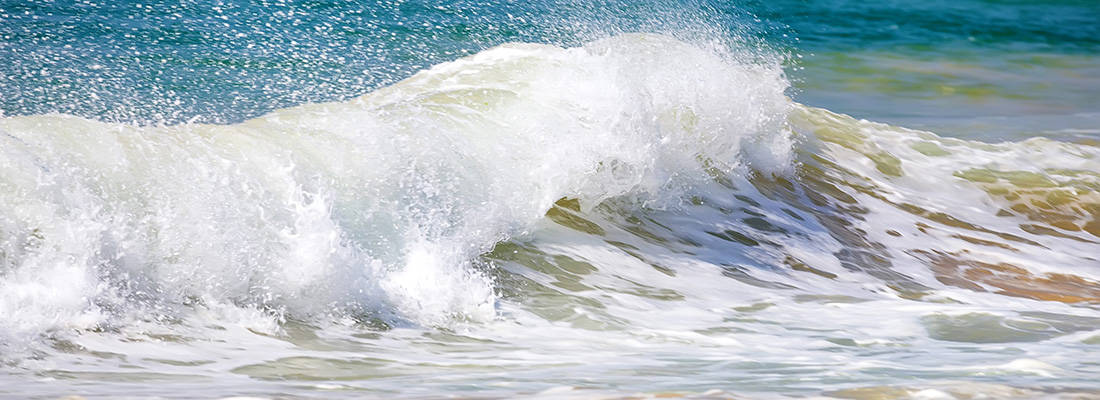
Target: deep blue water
[(223, 61)]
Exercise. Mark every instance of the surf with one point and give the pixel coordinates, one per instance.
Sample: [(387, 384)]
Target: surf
[(375, 206), (636, 202)]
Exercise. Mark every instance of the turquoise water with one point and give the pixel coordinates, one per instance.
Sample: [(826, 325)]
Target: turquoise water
[(550, 199), (985, 69), (929, 63)]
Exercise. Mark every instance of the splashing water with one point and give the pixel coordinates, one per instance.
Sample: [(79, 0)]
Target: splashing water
[(643, 213)]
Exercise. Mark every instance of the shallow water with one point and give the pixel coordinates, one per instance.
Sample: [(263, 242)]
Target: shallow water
[(550, 200)]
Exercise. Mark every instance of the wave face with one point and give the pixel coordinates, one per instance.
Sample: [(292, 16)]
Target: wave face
[(372, 207), (635, 207)]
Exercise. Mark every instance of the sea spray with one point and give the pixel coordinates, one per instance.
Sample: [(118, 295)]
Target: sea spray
[(375, 207), (639, 204)]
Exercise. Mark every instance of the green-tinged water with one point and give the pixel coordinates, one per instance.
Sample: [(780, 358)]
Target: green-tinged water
[(550, 199), (990, 70)]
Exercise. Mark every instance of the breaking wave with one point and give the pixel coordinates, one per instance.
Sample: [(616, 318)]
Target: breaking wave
[(376, 206), (637, 191)]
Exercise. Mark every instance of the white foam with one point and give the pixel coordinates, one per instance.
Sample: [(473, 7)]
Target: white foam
[(374, 206)]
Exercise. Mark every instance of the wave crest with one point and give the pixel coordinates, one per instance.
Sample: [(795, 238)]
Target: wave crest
[(374, 207)]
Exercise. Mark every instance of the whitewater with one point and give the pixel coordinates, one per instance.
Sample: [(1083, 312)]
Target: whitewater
[(640, 215)]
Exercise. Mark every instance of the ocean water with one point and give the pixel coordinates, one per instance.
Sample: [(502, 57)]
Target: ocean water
[(552, 199)]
